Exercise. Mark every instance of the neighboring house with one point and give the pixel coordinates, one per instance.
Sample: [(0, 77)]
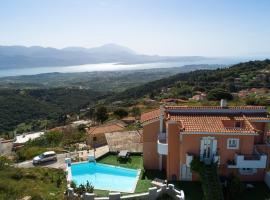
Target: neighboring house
[(20, 140), (81, 122), (199, 97), (96, 135), (233, 136)]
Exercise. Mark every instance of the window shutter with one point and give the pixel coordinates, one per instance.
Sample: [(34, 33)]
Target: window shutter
[(202, 148), (214, 146)]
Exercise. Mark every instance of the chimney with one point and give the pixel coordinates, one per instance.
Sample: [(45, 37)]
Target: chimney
[(223, 103)]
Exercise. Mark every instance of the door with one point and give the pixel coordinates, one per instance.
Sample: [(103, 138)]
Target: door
[(207, 153), (208, 148), (186, 174)]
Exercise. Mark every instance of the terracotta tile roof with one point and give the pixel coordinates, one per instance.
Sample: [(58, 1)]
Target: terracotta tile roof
[(212, 123), (108, 128), (212, 118), (154, 114)]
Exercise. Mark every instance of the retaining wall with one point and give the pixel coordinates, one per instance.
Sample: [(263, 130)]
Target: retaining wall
[(152, 194)]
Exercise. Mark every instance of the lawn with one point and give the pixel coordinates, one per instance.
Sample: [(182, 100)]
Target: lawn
[(192, 189), (39, 183)]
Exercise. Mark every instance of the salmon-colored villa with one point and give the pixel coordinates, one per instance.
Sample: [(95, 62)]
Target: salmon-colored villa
[(233, 136)]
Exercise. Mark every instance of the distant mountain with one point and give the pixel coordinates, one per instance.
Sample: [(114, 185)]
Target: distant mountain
[(37, 56)]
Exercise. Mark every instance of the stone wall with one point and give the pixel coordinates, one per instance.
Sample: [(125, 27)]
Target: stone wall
[(152, 194)]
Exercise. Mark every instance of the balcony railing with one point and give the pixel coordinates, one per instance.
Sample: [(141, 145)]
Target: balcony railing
[(162, 145), (249, 161)]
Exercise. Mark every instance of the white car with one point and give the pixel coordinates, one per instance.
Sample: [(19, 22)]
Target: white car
[(45, 157)]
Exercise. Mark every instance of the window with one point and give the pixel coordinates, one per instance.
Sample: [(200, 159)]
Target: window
[(233, 143), (238, 125)]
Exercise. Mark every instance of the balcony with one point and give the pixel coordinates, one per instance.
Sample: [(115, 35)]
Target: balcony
[(249, 161), (162, 145)]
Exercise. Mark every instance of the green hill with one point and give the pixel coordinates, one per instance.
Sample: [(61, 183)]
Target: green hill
[(26, 106), (241, 76)]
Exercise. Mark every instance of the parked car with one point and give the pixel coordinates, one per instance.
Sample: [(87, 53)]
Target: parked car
[(45, 157)]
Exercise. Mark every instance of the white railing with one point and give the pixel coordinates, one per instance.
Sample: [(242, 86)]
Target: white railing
[(162, 145), (249, 161)]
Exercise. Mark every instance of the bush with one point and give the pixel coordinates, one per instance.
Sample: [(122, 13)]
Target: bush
[(27, 153), (82, 188)]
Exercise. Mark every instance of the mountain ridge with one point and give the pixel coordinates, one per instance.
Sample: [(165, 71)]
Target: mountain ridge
[(38, 56)]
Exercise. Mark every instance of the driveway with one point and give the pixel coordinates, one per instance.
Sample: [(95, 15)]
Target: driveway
[(60, 163)]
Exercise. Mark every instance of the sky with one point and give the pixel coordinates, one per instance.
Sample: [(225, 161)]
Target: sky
[(164, 27)]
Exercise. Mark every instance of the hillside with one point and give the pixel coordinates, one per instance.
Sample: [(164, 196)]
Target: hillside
[(112, 81), (27, 106), (241, 76), (34, 106)]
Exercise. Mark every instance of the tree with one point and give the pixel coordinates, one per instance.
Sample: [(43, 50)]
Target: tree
[(90, 113), (218, 94), (120, 113), (81, 127), (101, 114), (135, 111)]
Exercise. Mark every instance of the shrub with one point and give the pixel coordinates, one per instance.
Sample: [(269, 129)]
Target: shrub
[(26, 153), (89, 188), (17, 174)]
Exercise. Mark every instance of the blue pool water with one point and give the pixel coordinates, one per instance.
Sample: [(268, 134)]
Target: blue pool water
[(105, 177)]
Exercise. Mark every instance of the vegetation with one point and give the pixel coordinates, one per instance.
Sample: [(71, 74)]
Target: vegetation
[(36, 109), (185, 84), (33, 107), (53, 140), (218, 94), (81, 189), (120, 113), (101, 114), (39, 183), (212, 189)]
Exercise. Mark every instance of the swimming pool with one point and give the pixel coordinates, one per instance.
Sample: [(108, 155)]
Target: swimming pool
[(105, 177)]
